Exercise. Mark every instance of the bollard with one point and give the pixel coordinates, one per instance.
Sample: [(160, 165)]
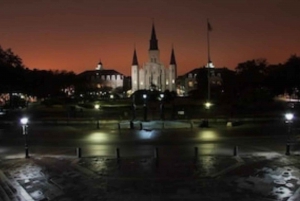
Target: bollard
[(119, 126), (98, 124), (196, 153), (156, 153), (27, 152), (235, 150), (156, 156), (192, 124), (131, 125), (78, 152), (118, 154), (141, 126), (288, 149)]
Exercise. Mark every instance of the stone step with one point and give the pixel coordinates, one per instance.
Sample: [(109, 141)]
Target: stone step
[(3, 195), (7, 190)]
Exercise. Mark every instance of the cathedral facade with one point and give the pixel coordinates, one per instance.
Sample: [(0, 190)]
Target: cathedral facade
[(153, 75)]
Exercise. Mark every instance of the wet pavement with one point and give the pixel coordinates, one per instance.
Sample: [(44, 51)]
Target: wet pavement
[(247, 177)]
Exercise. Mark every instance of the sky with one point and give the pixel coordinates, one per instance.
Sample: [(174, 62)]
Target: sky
[(74, 35)]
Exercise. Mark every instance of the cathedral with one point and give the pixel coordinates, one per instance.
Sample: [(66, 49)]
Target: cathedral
[(153, 75)]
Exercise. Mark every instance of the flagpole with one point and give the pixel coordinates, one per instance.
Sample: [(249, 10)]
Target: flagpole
[(208, 63), (208, 44)]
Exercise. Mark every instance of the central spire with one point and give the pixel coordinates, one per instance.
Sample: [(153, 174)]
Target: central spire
[(135, 60), (153, 40)]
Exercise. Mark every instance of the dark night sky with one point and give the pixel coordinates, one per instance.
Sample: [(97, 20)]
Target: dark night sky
[(75, 34)]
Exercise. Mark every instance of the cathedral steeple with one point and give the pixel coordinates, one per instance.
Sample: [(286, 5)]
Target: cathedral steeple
[(134, 60), (153, 40), (172, 60)]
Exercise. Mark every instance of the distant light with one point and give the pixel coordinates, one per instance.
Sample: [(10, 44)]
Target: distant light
[(289, 116), (208, 105), (162, 96), (144, 96), (24, 121), (97, 106), (210, 65), (111, 96)]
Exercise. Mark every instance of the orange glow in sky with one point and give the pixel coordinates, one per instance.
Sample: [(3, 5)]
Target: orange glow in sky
[(74, 35)]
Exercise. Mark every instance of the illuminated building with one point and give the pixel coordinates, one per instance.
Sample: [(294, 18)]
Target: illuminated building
[(153, 74), (100, 82)]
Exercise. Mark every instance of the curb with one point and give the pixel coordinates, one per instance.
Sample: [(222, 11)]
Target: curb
[(10, 190)]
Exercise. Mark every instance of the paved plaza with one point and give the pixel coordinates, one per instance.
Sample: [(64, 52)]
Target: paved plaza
[(250, 177)]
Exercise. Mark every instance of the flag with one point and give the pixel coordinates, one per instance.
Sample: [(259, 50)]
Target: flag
[(209, 28)]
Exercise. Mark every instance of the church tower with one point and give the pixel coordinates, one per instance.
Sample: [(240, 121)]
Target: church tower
[(153, 75), (135, 72), (153, 49), (172, 72)]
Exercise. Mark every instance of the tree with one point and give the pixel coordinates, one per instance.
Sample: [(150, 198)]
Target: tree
[(252, 90), (11, 71), (292, 68)]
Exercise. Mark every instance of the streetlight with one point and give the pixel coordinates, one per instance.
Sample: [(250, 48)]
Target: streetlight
[(162, 106), (145, 106), (133, 108), (207, 106), (97, 107), (24, 123), (289, 120)]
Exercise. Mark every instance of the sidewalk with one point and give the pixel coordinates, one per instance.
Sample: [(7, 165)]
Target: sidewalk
[(251, 177)]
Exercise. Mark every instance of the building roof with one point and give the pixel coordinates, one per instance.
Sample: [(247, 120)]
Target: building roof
[(197, 70), (100, 72)]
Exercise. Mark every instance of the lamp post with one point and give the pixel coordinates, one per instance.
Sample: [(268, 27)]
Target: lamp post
[(133, 107), (162, 106), (97, 107), (289, 120), (145, 106), (24, 123), (207, 107)]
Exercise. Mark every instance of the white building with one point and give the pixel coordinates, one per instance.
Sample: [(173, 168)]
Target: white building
[(153, 74), (100, 80)]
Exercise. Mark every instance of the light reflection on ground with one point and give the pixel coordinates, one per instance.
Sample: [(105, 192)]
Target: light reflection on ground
[(97, 137), (275, 183), (145, 134), (207, 135)]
